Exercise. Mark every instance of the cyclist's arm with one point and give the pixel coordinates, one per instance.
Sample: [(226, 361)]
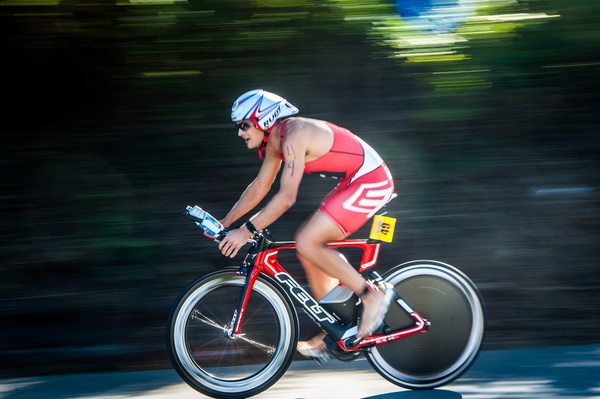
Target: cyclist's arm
[(294, 153), (294, 150), (255, 192)]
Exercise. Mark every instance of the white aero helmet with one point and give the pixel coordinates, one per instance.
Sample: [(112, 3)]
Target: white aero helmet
[(263, 107)]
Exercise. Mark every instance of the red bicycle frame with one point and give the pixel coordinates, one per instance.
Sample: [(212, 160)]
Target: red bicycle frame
[(263, 258)]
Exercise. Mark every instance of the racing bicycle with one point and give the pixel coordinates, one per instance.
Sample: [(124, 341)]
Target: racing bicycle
[(232, 333)]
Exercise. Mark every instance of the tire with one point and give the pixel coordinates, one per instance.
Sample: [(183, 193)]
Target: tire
[(453, 305), (211, 362)]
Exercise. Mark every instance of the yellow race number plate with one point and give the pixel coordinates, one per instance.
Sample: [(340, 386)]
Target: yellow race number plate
[(382, 228)]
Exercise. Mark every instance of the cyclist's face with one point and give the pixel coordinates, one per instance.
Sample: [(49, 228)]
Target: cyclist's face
[(249, 133)]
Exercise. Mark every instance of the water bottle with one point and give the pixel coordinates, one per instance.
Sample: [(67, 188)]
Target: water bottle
[(208, 223)]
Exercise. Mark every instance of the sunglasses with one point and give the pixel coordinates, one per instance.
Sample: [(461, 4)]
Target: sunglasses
[(243, 126)]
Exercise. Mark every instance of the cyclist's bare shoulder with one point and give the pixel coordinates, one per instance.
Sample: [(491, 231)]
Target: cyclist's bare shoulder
[(303, 124), (315, 133)]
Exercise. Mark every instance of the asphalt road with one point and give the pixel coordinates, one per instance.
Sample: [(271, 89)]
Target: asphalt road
[(545, 373)]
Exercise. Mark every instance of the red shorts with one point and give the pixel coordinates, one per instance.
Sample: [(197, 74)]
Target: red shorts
[(352, 203)]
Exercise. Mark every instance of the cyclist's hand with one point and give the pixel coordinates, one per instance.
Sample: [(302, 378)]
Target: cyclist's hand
[(233, 241)]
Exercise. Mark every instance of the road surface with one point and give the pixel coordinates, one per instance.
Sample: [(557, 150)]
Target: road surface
[(545, 373)]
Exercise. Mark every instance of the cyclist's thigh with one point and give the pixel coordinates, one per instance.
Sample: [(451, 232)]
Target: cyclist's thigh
[(319, 229), (350, 206)]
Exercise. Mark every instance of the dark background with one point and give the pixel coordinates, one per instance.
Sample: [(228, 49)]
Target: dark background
[(116, 116)]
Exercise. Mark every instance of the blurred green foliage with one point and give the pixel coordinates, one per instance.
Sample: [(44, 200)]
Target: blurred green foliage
[(117, 117)]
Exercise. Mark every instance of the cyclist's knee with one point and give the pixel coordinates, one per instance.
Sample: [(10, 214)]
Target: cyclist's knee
[(303, 246), (307, 244)]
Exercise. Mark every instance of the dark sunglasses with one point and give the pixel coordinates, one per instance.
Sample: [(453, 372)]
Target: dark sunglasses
[(243, 125)]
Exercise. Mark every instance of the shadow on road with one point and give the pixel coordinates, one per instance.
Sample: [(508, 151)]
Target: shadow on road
[(431, 394)]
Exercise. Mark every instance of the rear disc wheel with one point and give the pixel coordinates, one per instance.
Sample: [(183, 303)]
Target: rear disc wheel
[(452, 305)]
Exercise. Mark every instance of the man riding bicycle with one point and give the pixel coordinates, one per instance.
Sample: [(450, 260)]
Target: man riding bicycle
[(306, 145)]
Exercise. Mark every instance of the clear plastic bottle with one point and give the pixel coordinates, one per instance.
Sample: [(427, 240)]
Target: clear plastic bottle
[(207, 222)]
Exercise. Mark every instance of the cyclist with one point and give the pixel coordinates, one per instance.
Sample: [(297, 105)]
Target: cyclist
[(306, 145)]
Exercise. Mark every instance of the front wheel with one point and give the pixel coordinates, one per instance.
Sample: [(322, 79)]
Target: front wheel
[(451, 302), (204, 354)]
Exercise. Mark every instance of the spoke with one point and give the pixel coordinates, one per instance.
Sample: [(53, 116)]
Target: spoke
[(267, 348), (199, 316), (204, 319)]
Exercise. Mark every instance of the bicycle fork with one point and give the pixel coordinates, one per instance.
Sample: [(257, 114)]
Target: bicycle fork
[(238, 316)]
